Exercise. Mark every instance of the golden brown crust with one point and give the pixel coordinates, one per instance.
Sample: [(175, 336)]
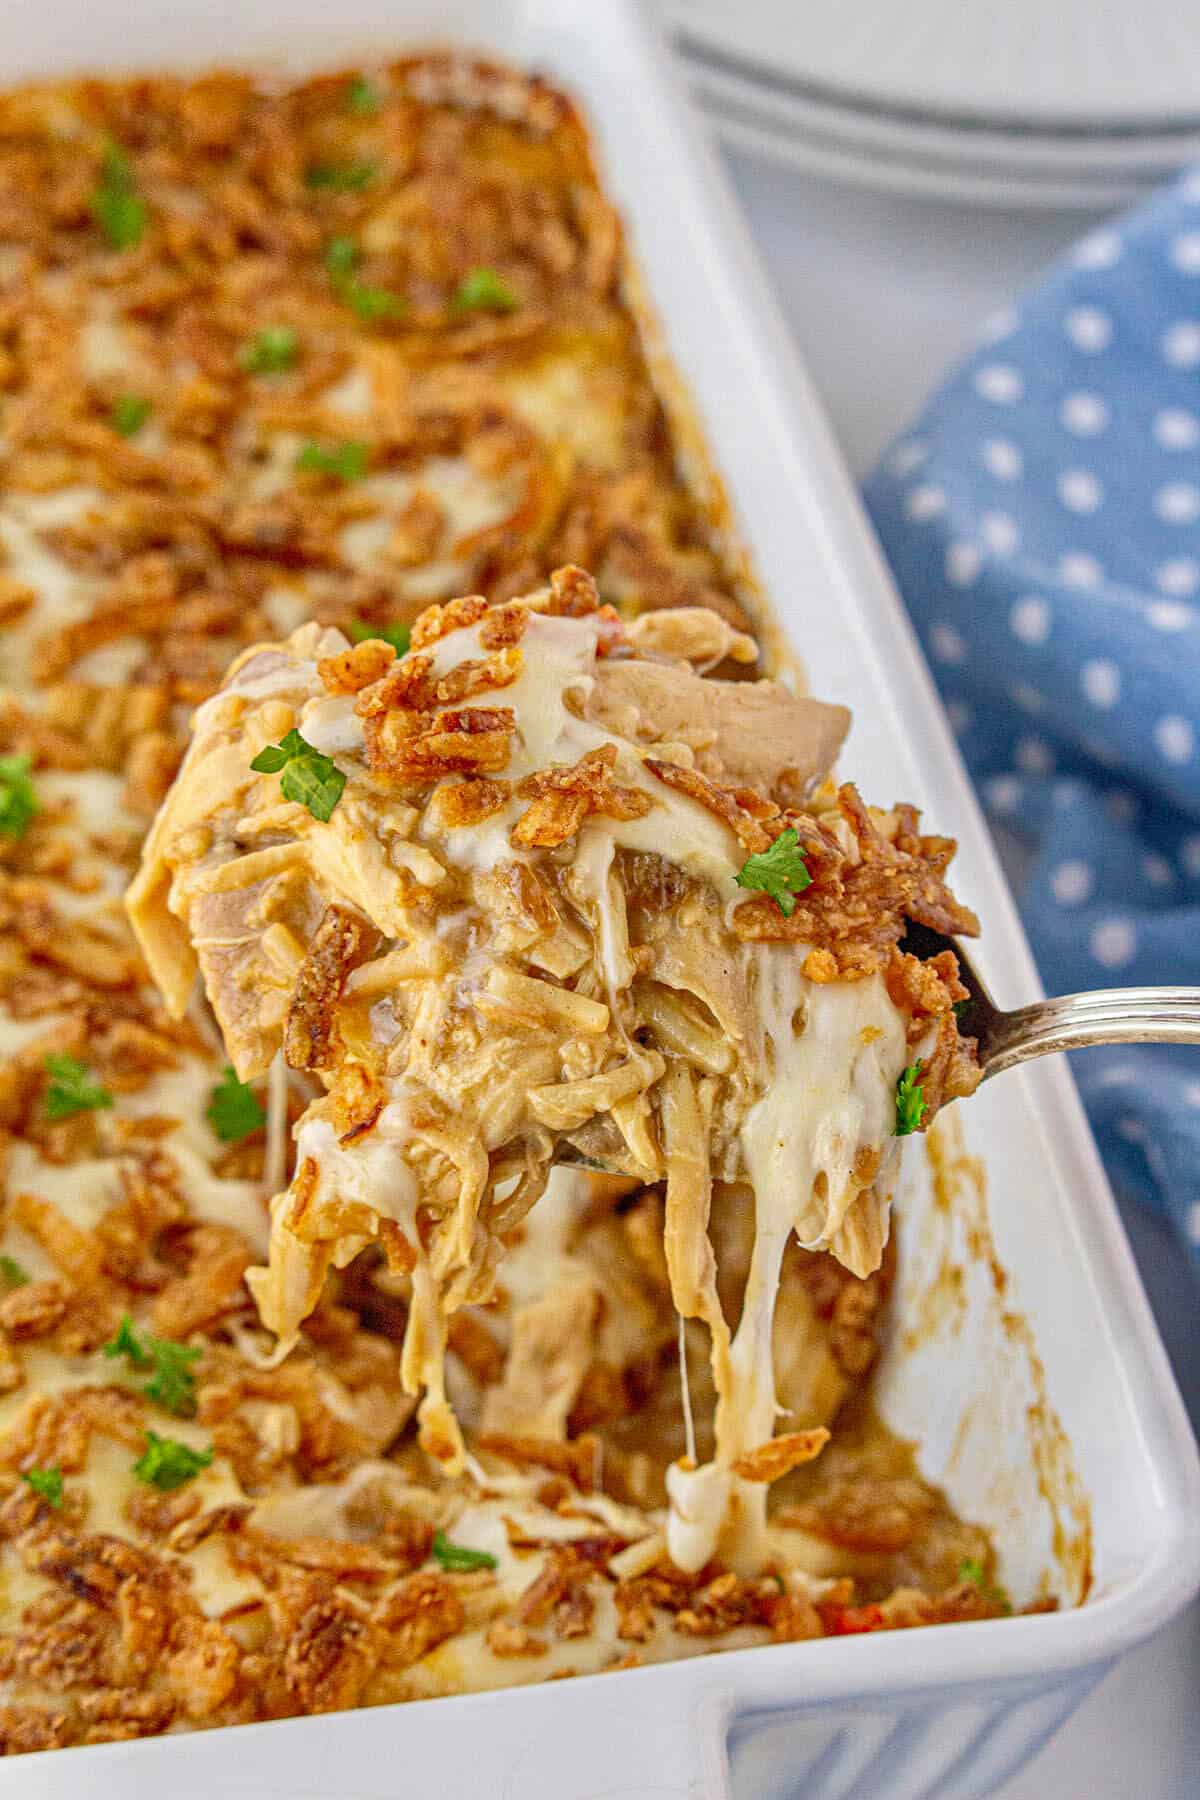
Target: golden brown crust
[(857, 906), (343, 939), (562, 798)]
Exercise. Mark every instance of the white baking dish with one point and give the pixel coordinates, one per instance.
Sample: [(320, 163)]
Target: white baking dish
[(949, 1711)]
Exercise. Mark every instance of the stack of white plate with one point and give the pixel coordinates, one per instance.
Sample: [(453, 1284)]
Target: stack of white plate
[(1012, 103)]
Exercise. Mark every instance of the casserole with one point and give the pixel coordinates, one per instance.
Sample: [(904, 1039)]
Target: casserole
[(1122, 1419)]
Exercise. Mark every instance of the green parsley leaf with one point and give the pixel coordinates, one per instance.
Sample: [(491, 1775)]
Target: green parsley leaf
[(457, 1558), (972, 1570), (362, 98), (70, 1089), (341, 255), (47, 1484), (483, 291), (779, 871), (172, 1384), (166, 1464), (305, 775), (129, 414), (18, 798), (234, 1110), (127, 1344), (910, 1101), (398, 636), (342, 178), (116, 206), (371, 303), (12, 1273), (345, 462), (117, 169), (274, 757), (274, 349)]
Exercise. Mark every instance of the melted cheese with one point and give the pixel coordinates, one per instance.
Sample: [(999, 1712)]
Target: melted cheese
[(558, 661), (837, 1049)]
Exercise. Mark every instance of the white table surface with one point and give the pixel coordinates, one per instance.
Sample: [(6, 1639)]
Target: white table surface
[(883, 294)]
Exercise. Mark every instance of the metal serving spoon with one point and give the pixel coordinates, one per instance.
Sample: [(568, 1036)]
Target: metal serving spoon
[(1141, 1015)]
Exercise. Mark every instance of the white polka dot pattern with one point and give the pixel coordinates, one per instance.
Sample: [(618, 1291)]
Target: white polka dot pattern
[(1176, 429), (1114, 942), (1085, 414), (1030, 620), (1089, 329), (1178, 502), (1080, 569), (1101, 682), (999, 383), (1080, 490), (1002, 459), (1072, 883), (1181, 344), (1043, 521)]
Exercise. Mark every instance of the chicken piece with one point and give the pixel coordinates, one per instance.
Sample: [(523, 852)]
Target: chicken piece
[(744, 734)]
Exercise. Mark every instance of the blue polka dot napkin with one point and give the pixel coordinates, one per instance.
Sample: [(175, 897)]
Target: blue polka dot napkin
[(1043, 520)]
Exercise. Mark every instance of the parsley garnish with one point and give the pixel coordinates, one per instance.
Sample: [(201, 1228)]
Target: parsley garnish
[(166, 1463), (343, 178), (47, 1484), (234, 1110), (456, 1557), (12, 1272), (972, 1570), (341, 255), (129, 414), (271, 352), (371, 303), (172, 1384), (71, 1090), (18, 798), (398, 636), (346, 462), (362, 98), (483, 291), (126, 1344), (117, 207), (910, 1101), (307, 776), (779, 871)]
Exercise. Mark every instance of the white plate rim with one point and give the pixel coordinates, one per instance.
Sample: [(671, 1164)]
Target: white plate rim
[(743, 129), (910, 77), (1036, 154)]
